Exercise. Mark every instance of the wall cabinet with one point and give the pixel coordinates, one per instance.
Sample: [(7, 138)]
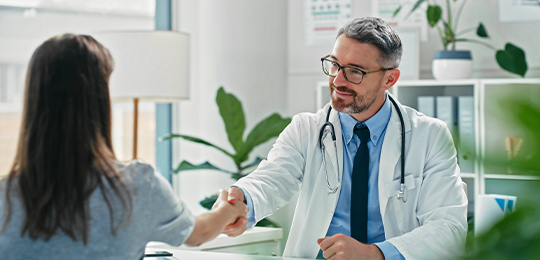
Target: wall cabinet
[(480, 127)]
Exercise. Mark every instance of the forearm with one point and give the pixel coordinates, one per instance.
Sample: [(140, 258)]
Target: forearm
[(439, 240), (266, 180), (207, 226)]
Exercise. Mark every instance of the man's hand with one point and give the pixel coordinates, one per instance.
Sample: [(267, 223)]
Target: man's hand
[(238, 227), (340, 246), (229, 210)]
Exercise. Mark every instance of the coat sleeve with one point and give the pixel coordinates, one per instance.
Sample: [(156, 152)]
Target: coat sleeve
[(278, 178), (442, 206)]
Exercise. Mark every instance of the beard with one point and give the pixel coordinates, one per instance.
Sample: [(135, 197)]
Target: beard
[(359, 104)]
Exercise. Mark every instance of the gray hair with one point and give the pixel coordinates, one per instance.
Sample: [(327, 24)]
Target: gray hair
[(377, 32)]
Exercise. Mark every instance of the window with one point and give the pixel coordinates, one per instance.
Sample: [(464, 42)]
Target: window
[(11, 92), (122, 131)]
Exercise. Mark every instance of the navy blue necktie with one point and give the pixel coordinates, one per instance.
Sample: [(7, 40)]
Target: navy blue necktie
[(359, 187)]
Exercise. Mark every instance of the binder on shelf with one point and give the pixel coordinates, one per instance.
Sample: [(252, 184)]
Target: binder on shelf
[(489, 209), (466, 134), (446, 111), (426, 105)]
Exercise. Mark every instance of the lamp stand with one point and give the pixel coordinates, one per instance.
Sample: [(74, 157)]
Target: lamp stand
[(135, 125)]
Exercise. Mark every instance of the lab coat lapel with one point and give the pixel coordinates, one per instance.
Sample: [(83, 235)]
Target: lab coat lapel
[(391, 152)]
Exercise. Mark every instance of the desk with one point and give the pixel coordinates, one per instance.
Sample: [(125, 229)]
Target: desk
[(255, 241), (201, 255)]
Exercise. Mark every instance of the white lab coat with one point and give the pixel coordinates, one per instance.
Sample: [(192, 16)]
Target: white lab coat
[(432, 224)]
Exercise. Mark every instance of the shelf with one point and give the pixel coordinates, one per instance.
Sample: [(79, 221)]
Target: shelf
[(510, 81), (490, 126), (511, 177), (467, 175), (429, 83)]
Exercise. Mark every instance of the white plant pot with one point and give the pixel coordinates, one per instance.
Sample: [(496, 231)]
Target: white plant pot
[(452, 65)]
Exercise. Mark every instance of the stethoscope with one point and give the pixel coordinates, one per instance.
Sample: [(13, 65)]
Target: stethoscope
[(328, 128)]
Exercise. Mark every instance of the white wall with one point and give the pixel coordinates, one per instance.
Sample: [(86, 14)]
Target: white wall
[(20, 35), (241, 45)]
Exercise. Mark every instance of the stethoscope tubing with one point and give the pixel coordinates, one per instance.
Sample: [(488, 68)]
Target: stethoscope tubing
[(402, 140)]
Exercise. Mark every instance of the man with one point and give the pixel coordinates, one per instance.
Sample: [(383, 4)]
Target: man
[(340, 214)]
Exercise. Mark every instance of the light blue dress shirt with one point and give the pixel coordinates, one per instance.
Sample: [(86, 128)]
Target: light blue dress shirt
[(341, 220)]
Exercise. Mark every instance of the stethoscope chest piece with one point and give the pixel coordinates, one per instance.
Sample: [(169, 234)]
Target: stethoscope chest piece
[(402, 193)]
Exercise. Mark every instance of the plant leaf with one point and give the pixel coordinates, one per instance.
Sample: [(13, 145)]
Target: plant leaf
[(443, 38), (195, 140), (396, 12), (208, 202), (187, 166), (266, 223), (512, 59), (481, 31), (232, 114), (448, 32), (239, 174), (269, 127), (253, 163), (434, 13), (416, 6)]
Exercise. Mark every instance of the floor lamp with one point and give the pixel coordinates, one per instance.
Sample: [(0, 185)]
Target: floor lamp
[(148, 66)]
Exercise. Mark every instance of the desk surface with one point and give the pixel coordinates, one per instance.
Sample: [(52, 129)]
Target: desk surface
[(254, 235), (201, 255)]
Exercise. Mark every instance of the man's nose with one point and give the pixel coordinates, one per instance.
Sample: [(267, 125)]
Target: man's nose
[(339, 79)]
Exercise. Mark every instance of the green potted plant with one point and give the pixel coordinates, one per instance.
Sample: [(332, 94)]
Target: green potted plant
[(517, 235), (511, 59), (232, 113)]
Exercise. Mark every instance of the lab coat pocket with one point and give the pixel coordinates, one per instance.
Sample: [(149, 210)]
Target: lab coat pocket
[(403, 210)]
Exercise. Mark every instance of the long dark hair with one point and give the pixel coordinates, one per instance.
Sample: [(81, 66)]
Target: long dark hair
[(65, 150)]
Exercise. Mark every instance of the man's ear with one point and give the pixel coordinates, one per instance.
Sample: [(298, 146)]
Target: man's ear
[(391, 78)]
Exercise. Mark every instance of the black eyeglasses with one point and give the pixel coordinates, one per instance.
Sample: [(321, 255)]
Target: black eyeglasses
[(352, 74)]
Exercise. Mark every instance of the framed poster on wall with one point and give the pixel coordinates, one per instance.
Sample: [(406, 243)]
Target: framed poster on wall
[(323, 19), (519, 10)]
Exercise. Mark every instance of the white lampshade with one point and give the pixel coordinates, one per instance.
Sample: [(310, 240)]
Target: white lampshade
[(149, 65)]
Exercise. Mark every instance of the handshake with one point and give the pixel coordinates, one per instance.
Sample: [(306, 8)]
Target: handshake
[(231, 203), (228, 215)]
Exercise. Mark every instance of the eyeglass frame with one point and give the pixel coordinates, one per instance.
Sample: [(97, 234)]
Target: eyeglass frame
[(342, 68)]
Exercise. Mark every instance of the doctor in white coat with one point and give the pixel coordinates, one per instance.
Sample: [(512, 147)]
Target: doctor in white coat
[(430, 224)]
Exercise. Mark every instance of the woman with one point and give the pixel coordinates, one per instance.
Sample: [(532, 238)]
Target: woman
[(66, 194)]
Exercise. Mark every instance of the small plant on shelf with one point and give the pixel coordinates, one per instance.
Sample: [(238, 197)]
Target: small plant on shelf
[(511, 59)]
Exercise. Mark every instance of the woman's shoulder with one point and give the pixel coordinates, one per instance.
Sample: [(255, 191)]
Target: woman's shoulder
[(140, 174), (136, 167), (136, 171)]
